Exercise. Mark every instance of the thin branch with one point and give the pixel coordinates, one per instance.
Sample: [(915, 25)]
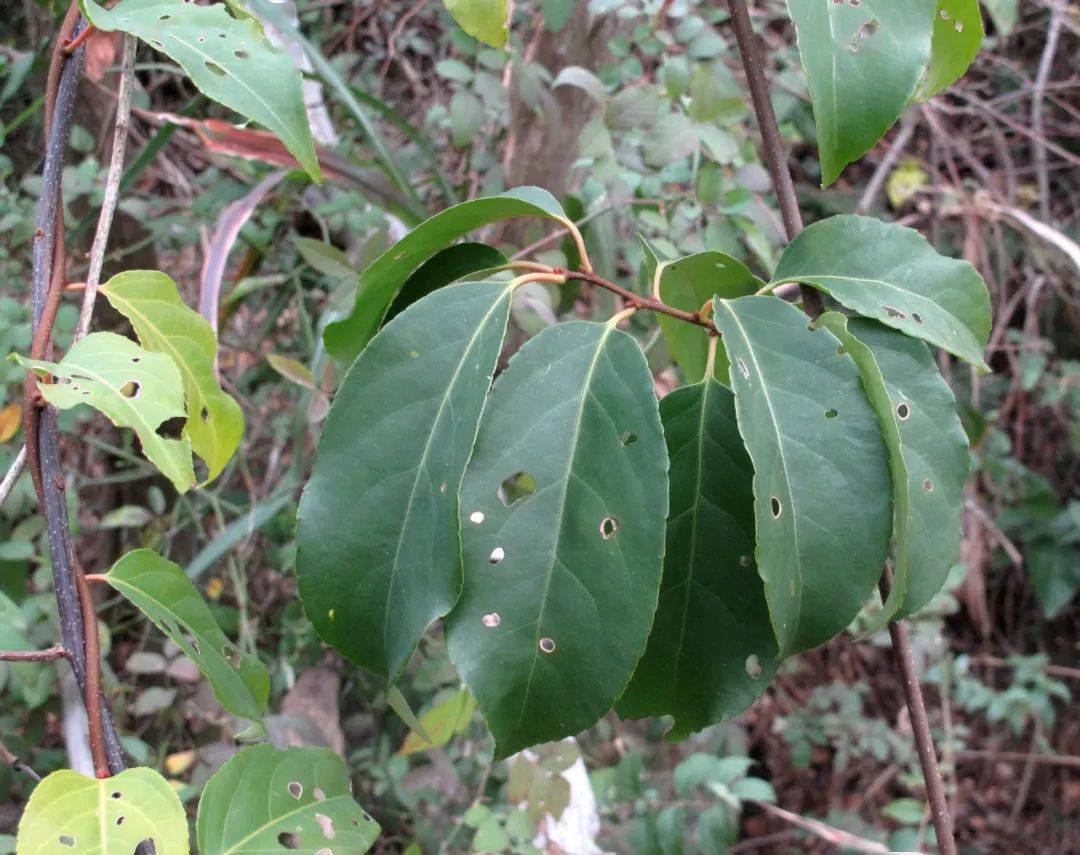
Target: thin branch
[(15, 763), (49, 654), (12, 476), (1046, 62), (637, 301)]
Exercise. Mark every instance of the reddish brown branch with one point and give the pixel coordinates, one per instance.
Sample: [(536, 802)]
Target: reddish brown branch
[(49, 654), (637, 301)]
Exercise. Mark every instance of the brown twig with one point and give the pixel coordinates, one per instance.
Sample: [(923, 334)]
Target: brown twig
[(785, 190), (636, 301), (49, 654), (15, 763)]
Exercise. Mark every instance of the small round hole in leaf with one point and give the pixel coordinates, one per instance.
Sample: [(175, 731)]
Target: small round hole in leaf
[(608, 527), (491, 620), (476, 517), (753, 666), (547, 645), (776, 508), (240, 54), (289, 840), (216, 69), (67, 840), (903, 411), (516, 488), (928, 485), (296, 789), (831, 413), (129, 389), (497, 555), (628, 438)]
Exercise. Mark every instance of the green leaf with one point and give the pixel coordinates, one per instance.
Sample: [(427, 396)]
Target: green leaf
[(69, 812), (441, 722), (161, 590), (397, 701), (303, 794), (485, 20), (382, 280), (822, 492), (561, 585), (292, 370), (689, 283), (863, 62), (1054, 570), (229, 60), (33, 680), (446, 266), (466, 118), (135, 388), (958, 34), (326, 258), (711, 650), (378, 544), (165, 324), (893, 274), (928, 454)]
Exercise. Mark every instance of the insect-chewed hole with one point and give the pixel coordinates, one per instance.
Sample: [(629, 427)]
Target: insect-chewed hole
[(831, 413), (164, 17), (116, 794), (295, 788), (915, 316), (903, 411), (516, 488), (628, 438), (216, 69), (120, 820), (476, 517), (958, 26), (171, 428), (753, 666), (497, 555), (841, 350), (894, 313), (491, 620), (129, 389), (289, 840), (928, 485), (547, 645), (240, 54), (743, 370), (774, 503), (744, 560), (67, 840), (320, 795), (326, 825), (608, 527)]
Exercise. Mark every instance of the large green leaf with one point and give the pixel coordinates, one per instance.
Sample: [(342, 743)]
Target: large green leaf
[(688, 283), (161, 590), (711, 650), (264, 800), (165, 324), (134, 387), (958, 34), (378, 544), (928, 454), (863, 61), (560, 584), (822, 492), (893, 274), (229, 60), (382, 280), (71, 813), (486, 20)]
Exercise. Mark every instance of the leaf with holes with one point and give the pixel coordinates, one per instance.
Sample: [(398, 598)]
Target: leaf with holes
[(863, 60), (928, 454), (958, 34), (378, 545), (165, 324), (69, 812), (562, 510), (229, 60), (893, 274), (382, 280), (711, 650), (821, 481), (135, 388), (266, 800), (485, 20), (689, 283), (162, 591)]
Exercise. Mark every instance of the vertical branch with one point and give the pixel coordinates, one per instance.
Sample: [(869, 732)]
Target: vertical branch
[(789, 208)]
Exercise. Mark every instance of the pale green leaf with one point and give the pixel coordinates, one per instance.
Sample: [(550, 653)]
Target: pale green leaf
[(711, 650), (165, 324), (485, 20), (958, 33), (822, 491), (936, 460), (229, 60), (562, 514), (441, 722), (161, 590), (893, 274), (378, 544), (292, 370), (135, 388), (466, 118), (689, 283), (302, 793), (382, 280), (326, 258), (71, 813), (863, 61), (583, 79)]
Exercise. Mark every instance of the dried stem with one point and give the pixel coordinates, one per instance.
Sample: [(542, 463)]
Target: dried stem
[(49, 654), (776, 158)]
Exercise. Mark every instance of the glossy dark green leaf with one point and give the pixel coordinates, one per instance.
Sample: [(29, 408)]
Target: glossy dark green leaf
[(561, 585), (822, 491), (262, 795), (711, 650), (381, 281), (449, 265), (958, 33), (863, 61), (688, 283), (893, 274), (920, 424), (162, 591), (378, 545)]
